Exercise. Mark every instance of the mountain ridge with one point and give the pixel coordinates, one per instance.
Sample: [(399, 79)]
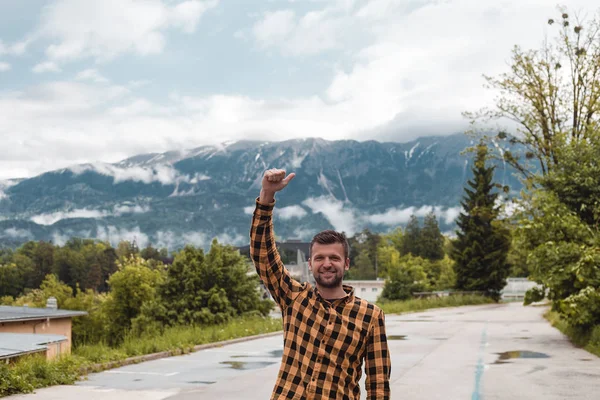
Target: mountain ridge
[(193, 195)]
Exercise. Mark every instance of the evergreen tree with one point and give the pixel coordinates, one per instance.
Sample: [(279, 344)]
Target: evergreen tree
[(411, 243), (481, 248), (432, 240)]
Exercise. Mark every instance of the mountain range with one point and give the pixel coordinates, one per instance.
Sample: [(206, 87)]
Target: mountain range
[(179, 197)]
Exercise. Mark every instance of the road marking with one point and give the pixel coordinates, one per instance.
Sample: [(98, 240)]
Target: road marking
[(480, 367), (142, 373)]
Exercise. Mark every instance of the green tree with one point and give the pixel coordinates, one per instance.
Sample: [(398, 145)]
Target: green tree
[(411, 242), (406, 278), (130, 287), (432, 240), (481, 248), (204, 289), (551, 94)]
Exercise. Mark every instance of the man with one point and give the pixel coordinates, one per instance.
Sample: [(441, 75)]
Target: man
[(328, 332)]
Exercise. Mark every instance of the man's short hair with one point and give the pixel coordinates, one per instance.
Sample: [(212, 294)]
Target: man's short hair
[(330, 237)]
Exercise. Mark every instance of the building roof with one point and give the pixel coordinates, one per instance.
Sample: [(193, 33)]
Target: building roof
[(18, 344), (14, 314)]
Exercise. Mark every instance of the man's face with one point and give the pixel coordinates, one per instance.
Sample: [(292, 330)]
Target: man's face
[(327, 264)]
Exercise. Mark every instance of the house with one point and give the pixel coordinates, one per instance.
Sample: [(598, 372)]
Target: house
[(25, 330)]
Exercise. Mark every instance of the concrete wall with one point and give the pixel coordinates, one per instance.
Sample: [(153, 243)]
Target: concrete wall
[(58, 326), (368, 290)]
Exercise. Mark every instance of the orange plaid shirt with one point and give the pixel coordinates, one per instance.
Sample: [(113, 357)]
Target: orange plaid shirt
[(325, 342)]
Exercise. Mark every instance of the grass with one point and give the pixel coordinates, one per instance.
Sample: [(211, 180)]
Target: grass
[(588, 339), (180, 339), (411, 305), (34, 372)]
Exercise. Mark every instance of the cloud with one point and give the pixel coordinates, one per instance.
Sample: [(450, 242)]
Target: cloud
[(396, 216), (4, 66), (15, 49), (290, 212), (51, 218), (114, 235), (47, 66), (163, 173), (341, 217), (104, 30), (310, 34), (16, 233), (383, 74), (118, 210), (92, 75)]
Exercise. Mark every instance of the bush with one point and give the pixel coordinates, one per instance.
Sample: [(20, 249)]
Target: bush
[(33, 372), (533, 295)]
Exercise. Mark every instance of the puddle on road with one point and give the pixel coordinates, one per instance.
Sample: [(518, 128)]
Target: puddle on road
[(509, 355), (243, 365), (273, 353), (585, 359), (276, 353), (523, 338), (202, 382), (396, 337)]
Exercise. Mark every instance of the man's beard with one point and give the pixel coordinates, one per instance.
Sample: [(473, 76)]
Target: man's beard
[(330, 283)]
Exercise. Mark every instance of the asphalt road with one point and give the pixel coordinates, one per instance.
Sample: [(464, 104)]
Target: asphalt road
[(490, 352)]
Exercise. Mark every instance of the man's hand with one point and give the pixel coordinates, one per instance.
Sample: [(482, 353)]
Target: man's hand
[(273, 181)]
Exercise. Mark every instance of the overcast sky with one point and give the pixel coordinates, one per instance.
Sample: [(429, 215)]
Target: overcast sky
[(84, 80)]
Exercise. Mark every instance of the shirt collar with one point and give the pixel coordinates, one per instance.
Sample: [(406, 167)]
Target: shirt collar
[(346, 299)]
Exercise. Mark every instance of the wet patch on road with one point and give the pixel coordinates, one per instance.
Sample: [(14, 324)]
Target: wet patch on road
[(396, 337), (243, 365), (202, 382), (510, 355)]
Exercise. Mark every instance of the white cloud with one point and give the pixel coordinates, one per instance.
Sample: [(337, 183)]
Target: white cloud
[(104, 30), (396, 216), (309, 34), (17, 233), (92, 75), (249, 210), (163, 173), (341, 217), (393, 77), (4, 66), (46, 66), (118, 210), (51, 218), (15, 49), (114, 235), (290, 212)]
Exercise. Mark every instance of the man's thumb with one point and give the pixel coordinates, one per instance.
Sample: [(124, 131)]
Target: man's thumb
[(288, 178)]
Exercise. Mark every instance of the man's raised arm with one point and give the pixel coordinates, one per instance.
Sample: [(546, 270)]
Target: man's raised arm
[(263, 249)]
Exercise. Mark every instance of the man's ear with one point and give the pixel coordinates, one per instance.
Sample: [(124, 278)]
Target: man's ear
[(347, 266), (309, 265)]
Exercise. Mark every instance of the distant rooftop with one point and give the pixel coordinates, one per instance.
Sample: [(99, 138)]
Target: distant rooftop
[(17, 344), (12, 314)]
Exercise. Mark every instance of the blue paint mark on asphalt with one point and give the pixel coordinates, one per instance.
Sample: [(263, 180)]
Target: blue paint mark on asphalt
[(479, 369)]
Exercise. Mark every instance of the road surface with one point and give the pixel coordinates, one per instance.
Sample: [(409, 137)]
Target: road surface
[(491, 352)]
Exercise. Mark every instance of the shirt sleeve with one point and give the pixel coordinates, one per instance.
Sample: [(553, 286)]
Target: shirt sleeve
[(266, 258), (378, 364)]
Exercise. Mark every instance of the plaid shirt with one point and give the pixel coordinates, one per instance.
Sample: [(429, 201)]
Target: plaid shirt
[(324, 342)]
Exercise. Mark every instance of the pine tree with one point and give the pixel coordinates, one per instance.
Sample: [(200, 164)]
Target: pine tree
[(481, 248), (411, 242), (432, 240)]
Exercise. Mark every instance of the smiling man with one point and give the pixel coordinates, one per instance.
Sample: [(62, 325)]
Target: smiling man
[(328, 331)]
